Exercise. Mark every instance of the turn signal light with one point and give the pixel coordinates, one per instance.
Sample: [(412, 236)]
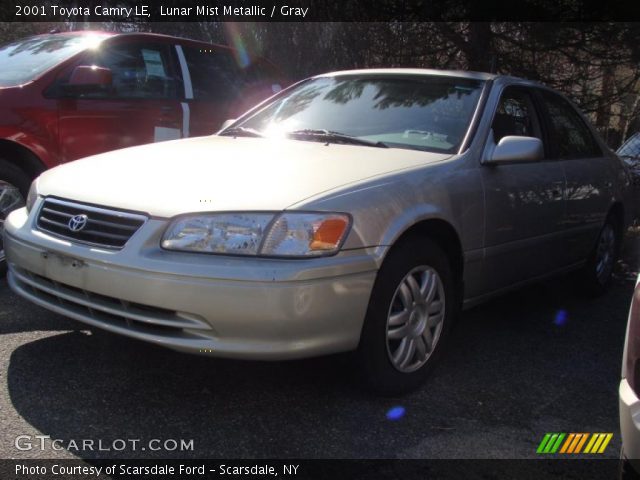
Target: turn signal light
[(329, 234)]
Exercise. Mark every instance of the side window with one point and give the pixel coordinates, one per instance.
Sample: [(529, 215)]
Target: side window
[(571, 136), (515, 115), (138, 70), (214, 74), (631, 147)]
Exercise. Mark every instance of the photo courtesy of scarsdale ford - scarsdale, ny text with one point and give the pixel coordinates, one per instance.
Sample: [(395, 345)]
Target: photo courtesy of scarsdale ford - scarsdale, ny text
[(160, 470)]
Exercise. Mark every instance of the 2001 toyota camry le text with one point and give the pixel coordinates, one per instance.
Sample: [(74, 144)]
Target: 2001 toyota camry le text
[(355, 210)]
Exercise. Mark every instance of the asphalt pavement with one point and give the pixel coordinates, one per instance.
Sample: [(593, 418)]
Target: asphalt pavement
[(543, 359)]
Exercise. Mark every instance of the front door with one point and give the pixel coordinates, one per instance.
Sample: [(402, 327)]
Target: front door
[(524, 202), (142, 106)]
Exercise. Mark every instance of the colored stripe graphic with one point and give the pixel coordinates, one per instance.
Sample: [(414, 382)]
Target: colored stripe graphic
[(596, 445), (556, 445), (568, 442), (578, 442), (581, 443), (605, 442), (598, 442), (572, 443), (594, 437), (576, 439), (543, 443), (551, 442)]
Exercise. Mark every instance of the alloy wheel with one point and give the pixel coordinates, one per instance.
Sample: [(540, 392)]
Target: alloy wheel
[(605, 253), (415, 319)]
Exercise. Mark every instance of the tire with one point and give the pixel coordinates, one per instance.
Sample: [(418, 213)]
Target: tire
[(597, 273), (14, 186), (387, 363)]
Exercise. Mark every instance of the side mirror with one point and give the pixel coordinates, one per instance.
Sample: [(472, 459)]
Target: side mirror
[(88, 79), (227, 123), (515, 149)]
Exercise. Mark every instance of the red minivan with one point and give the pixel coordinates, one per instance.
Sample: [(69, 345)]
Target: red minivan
[(64, 96)]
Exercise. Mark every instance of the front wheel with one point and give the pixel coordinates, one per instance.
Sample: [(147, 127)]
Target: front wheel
[(409, 316)]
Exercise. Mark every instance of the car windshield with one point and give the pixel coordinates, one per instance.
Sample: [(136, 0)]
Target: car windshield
[(430, 113), (24, 60), (631, 147)]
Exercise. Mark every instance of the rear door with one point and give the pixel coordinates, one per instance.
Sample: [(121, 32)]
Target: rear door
[(143, 105), (221, 85), (590, 175), (213, 83)]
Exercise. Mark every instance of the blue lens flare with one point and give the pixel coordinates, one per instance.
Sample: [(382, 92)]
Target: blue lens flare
[(561, 318), (395, 413)]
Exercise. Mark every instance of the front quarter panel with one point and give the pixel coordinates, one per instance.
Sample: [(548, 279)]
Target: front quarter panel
[(385, 208)]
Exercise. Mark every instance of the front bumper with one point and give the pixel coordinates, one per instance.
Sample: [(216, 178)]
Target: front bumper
[(236, 307)]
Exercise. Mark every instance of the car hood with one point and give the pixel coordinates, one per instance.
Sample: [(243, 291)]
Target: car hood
[(221, 174)]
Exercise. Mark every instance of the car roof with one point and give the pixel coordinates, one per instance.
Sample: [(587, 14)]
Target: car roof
[(102, 33), (431, 72), (411, 71), (77, 33)]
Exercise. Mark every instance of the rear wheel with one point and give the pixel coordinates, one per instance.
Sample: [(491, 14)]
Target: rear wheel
[(14, 185), (599, 268), (409, 316)]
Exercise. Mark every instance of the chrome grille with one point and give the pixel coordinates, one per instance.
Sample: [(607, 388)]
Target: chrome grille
[(104, 227)]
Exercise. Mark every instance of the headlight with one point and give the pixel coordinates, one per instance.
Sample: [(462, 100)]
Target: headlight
[(283, 235), (32, 196), (231, 233)]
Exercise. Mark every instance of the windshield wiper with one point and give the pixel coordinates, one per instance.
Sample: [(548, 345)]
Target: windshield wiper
[(334, 137), (241, 132)]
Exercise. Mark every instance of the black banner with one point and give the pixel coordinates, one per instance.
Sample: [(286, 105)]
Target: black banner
[(547, 469), (317, 10)]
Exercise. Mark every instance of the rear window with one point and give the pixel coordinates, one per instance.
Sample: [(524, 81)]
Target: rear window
[(217, 75), (572, 137), (214, 74)]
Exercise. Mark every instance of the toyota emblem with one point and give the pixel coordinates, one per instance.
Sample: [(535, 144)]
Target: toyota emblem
[(77, 223)]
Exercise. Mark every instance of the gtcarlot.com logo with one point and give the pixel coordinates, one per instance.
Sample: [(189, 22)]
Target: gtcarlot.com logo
[(45, 442), (574, 443)]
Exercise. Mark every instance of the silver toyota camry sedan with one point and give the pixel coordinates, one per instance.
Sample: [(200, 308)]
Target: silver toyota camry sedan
[(354, 211)]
